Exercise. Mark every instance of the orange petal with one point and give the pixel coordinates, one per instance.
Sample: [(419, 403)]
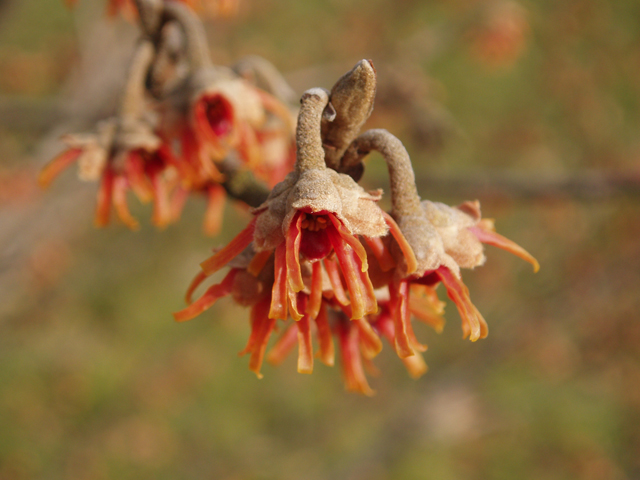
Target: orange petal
[(293, 238), (257, 317), (369, 296), (263, 325), (293, 298), (473, 324), (497, 240), (284, 345), (407, 251), (351, 277), (355, 380), (209, 297), (333, 273), (360, 289), (399, 305), (279, 290), (231, 251), (120, 188), (315, 297), (248, 146), (258, 262), (325, 342), (161, 210), (423, 309), (415, 365), (382, 254), (370, 343), (140, 184), (105, 194), (195, 283), (215, 209), (350, 240), (305, 349), (57, 165)]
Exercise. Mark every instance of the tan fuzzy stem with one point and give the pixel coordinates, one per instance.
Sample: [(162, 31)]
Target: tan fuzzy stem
[(308, 140), (197, 47), (149, 16), (352, 99), (404, 194), (419, 233), (133, 98)]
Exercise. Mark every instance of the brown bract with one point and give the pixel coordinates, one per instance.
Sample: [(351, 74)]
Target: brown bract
[(452, 225), (314, 188)]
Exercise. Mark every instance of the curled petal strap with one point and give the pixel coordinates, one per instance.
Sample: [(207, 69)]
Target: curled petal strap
[(353, 372), (333, 272), (305, 349), (258, 262), (261, 328), (426, 306), (215, 209), (415, 365), (315, 297), (381, 253), (284, 345), (140, 184), (120, 188), (208, 298), (350, 240), (105, 194), (195, 283), (407, 251), (293, 238), (399, 303), (473, 324), (497, 240), (279, 290), (370, 343), (57, 165), (231, 251), (325, 342), (360, 294)]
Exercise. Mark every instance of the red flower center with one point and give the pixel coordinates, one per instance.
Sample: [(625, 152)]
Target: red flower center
[(315, 243), (219, 113)]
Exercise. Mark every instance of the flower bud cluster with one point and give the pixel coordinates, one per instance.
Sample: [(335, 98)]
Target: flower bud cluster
[(184, 126), (321, 259)]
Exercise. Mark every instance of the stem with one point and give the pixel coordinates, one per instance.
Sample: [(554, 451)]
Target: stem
[(150, 16), (196, 38), (308, 139), (133, 98), (404, 193)]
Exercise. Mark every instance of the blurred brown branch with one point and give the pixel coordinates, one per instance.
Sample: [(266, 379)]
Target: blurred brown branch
[(589, 185)]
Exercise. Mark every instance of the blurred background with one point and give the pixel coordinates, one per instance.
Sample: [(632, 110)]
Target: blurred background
[(532, 107)]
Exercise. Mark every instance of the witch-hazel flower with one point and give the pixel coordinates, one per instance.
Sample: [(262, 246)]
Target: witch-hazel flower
[(443, 240), (310, 229), (125, 153)]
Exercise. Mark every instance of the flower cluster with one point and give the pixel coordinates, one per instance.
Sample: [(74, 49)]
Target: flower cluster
[(321, 256), (183, 125)]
